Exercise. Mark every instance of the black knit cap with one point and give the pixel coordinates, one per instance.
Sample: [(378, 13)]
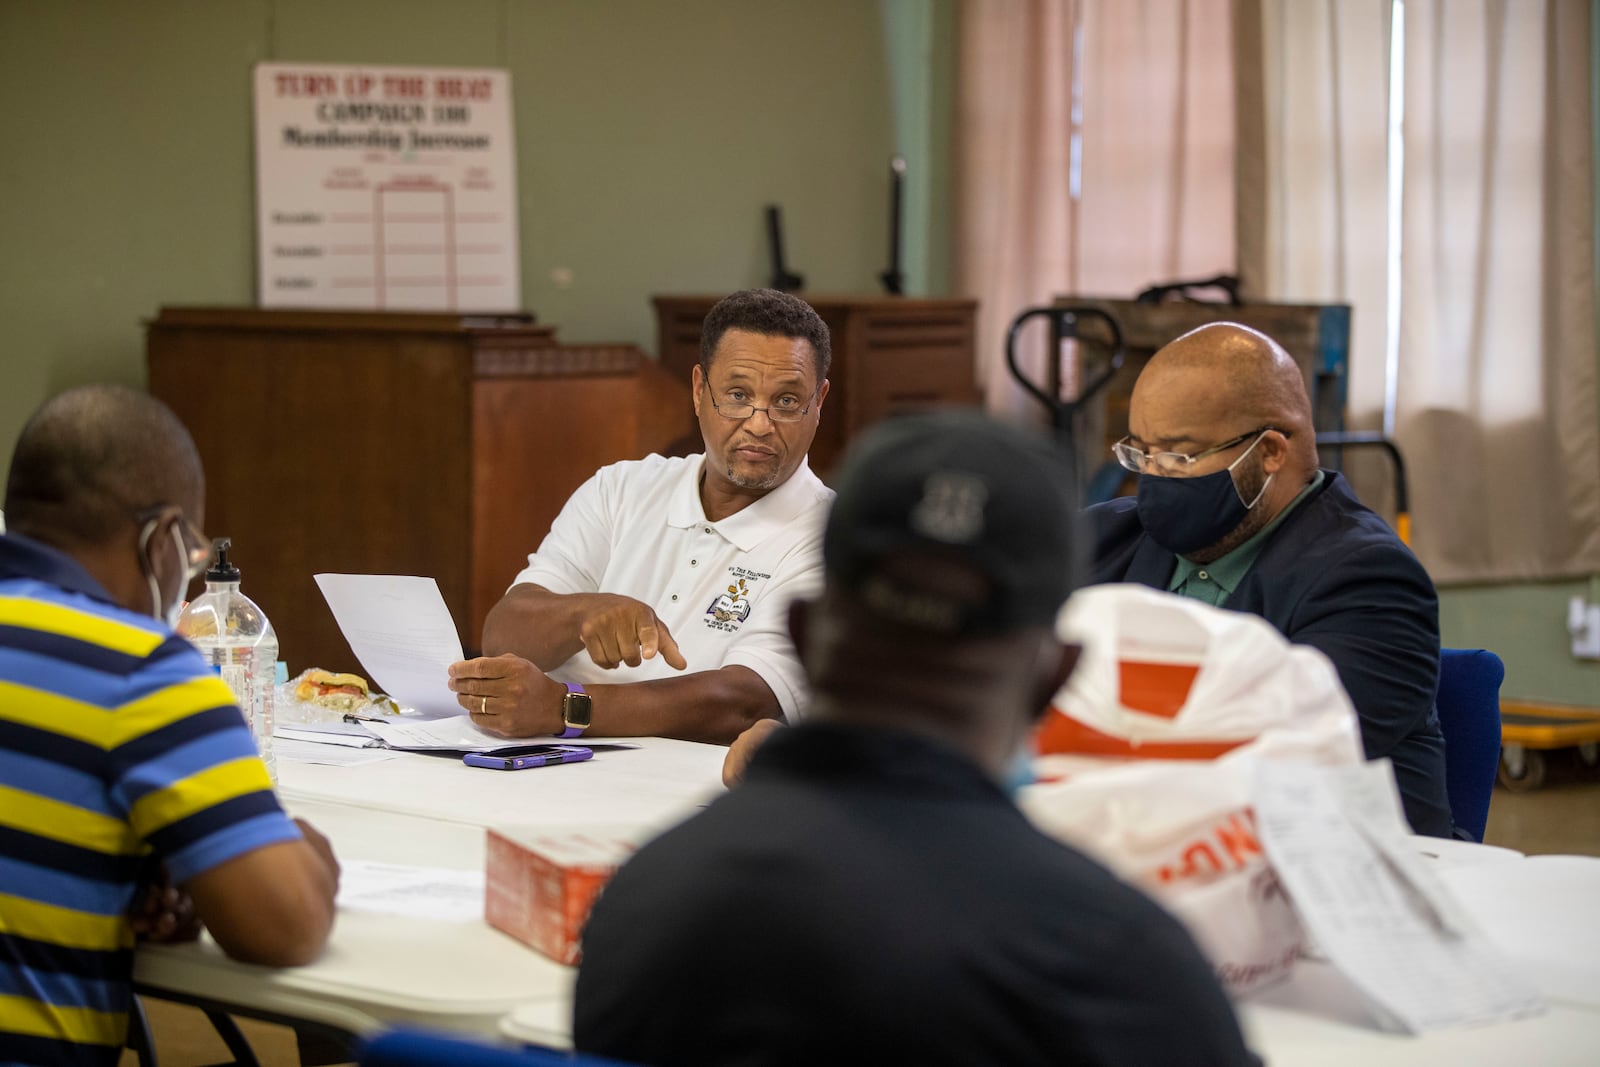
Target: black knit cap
[(988, 496)]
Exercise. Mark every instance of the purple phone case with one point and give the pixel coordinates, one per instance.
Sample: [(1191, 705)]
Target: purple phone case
[(501, 762)]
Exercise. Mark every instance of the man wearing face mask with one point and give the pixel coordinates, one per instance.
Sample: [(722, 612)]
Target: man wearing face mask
[(870, 894), (124, 764), (1233, 509)]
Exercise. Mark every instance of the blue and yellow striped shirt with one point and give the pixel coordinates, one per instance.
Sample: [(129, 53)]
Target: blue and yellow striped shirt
[(118, 747)]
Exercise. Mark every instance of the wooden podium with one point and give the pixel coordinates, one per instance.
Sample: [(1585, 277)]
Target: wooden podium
[(891, 355), (390, 443)]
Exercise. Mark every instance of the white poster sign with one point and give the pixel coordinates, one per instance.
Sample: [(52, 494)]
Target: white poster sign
[(385, 188)]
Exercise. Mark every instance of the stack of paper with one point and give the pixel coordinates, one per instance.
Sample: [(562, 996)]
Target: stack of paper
[(1338, 843), (401, 631), (298, 750), (439, 893)]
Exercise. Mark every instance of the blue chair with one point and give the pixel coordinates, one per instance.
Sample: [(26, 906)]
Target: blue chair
[(1469, 714), (419, 1048)]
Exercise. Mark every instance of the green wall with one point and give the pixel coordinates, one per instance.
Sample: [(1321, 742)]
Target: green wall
[(921, 56), (1526, 625), (650, 135)]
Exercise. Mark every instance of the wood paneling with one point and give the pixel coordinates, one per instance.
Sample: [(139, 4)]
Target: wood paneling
[(891, 355), (535, 440), (439, 445)]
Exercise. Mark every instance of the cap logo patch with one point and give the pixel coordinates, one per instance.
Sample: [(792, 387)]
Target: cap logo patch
[(951, 508)]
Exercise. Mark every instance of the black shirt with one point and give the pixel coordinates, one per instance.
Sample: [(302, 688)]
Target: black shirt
[(869, 896)]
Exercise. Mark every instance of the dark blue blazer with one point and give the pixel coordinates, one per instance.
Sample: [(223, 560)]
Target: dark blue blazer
[(1335, 577)]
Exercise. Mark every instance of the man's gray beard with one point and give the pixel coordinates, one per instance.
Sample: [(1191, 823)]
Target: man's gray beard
[(768, 481)]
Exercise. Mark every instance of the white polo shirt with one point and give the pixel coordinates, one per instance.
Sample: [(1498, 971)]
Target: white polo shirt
[(723, 588)]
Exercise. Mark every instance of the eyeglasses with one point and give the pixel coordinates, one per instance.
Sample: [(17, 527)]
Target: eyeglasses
[(1168, 464), (197, 550), (736, 406)]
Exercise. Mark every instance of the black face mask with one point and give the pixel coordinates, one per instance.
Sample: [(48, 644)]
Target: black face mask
[(1184, 515)]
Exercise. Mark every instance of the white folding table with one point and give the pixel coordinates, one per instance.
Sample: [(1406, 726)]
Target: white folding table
[(469, 978), (1317, 1019), (432, 811)]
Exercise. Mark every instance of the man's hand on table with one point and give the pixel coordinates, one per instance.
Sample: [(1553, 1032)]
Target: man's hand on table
[(508, 696), (323, 848), (619, 629), (744, 746), (163, 912)]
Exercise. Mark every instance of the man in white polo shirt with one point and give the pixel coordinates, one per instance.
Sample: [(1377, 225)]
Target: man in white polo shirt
[(658, 603)]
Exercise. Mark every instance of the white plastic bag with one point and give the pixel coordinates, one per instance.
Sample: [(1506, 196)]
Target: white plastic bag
[(1149, 752)]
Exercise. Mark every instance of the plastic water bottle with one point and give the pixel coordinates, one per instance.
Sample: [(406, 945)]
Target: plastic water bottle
[(236, 638)]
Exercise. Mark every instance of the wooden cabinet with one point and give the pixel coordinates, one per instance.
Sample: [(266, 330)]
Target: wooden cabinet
[(432, 444), (891, 355)]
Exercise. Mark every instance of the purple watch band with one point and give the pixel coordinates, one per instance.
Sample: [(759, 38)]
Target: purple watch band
[(572, 731)]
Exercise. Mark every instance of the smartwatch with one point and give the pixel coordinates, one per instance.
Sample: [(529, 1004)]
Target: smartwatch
[(577, 712)]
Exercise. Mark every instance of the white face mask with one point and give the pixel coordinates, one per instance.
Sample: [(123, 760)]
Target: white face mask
[(167, 613)]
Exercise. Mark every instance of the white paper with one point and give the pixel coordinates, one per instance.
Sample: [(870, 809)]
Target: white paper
[(385, 187), (445, 894), (355, 737), (1540, 912), (402, 632), (456, 732), (296, 750), (1377, 913)]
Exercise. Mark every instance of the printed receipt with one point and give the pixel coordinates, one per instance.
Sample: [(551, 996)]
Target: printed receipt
[(1336, 838), (402, 632)]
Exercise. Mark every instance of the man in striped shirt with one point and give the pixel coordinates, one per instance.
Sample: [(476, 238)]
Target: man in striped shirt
[(121, 753)]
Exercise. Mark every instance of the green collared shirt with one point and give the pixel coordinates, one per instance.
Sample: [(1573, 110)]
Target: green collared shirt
[(1215, 582)]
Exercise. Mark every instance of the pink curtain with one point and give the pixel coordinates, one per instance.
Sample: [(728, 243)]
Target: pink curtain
[(1496, 391), (1094, 155), (1492, 394), (1013, 148)]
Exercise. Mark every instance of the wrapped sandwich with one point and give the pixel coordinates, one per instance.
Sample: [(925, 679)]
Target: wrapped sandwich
[(340, 692), (317, 691)]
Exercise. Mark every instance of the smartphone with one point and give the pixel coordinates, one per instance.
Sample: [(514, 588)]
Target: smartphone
[(521, 759)]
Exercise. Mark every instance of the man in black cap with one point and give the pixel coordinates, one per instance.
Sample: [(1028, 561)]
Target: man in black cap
[(870, 893)]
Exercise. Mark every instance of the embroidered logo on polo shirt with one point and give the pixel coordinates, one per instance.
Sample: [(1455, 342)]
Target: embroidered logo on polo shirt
[(731, 608)]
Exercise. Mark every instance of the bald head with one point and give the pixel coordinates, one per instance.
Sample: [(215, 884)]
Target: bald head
[(91, 459), (1219, 381)]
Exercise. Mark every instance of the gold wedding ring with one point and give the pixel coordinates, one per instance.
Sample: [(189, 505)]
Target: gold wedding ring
[(483, 705)]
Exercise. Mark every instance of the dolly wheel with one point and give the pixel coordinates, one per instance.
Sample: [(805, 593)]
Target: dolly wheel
[(1522, 772), (1589, 752)]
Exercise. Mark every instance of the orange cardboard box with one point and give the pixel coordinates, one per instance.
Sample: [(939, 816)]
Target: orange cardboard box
[(541, 884)]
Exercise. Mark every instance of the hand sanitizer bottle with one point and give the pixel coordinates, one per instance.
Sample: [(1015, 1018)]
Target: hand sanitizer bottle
[(236, 638)]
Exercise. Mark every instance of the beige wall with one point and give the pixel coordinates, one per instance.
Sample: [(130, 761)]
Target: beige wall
[(650, 135)]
